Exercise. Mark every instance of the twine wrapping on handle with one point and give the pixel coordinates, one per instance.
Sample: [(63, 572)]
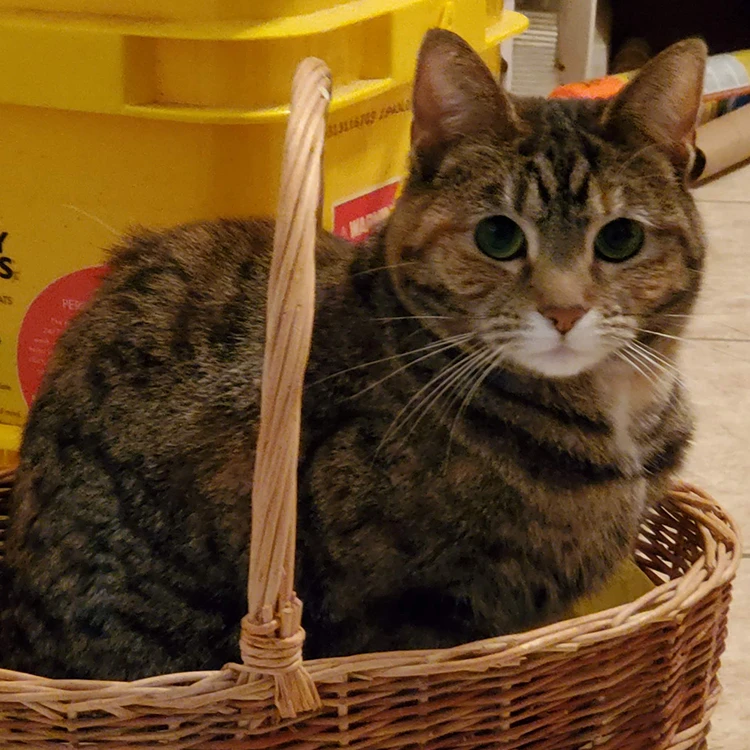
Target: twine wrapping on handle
[(272, 635)]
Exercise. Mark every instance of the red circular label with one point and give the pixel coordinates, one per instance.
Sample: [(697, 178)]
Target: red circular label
[(46, 319)]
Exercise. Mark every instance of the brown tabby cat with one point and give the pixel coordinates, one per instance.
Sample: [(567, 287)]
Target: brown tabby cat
[(492, 395)]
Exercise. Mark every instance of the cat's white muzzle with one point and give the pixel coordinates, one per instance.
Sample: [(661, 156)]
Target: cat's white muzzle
[(542, 348)]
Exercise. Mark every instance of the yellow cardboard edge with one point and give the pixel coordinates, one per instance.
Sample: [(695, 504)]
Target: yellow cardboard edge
[(317, 22)]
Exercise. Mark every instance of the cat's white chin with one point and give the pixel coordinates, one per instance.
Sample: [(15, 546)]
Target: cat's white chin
[(546, 352), (561, 362)]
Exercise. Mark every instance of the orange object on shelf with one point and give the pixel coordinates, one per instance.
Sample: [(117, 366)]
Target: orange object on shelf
[(726, 86), (599, 88)]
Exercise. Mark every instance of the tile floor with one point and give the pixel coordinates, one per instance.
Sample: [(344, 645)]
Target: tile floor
[(718, 374)]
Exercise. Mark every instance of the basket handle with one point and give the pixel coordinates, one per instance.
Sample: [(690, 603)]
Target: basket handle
[(272, 635)]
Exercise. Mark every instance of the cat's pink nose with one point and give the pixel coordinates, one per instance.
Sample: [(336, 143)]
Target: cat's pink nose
[(564, 318)]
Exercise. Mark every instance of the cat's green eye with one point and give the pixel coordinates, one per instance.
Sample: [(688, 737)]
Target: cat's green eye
[(619, 240), (500, 238)]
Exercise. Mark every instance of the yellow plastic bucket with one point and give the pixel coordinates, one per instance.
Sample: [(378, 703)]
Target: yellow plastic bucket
[(116, 113)]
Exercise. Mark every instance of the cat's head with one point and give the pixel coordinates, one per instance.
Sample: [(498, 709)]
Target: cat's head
[(556, 232)]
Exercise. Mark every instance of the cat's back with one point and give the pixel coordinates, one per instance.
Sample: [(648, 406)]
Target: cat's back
[(171, 342), (130, 516)]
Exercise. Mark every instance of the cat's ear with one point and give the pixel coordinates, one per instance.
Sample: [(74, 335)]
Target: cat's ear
[(455, 96), (663, 100)]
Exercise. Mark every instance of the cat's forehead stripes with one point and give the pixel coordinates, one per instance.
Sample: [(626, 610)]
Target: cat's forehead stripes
[(555, 177), (578, 180)]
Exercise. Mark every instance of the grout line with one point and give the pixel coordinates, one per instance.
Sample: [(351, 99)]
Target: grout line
[(722, 200)]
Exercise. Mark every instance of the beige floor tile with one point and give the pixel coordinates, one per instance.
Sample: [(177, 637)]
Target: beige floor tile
[(717, 361), (731, 722), (733, 186), (717, 370)]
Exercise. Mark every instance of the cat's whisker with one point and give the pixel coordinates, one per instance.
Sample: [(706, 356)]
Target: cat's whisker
[(430, 397), (397, 371), (710, 341), (700, 315), (644, 361), (653, 353), (459, 385), (668, 368), (495, 357), (624, 357), (467, 380), (94, 218), (384, 268), (405, 412), (428, 394), (413, 317), (455, 393), (433, 348), (647, 354), (720, 339)]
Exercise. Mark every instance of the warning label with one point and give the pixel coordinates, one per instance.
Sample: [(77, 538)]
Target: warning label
[(354, 217), (47, 317)]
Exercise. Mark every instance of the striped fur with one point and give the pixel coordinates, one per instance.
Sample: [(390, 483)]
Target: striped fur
[(448, 491)]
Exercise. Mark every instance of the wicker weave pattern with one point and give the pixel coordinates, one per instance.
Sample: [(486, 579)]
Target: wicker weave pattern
[(638, 677)]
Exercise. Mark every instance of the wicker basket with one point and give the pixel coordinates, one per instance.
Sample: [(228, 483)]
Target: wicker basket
[(641, 676)]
